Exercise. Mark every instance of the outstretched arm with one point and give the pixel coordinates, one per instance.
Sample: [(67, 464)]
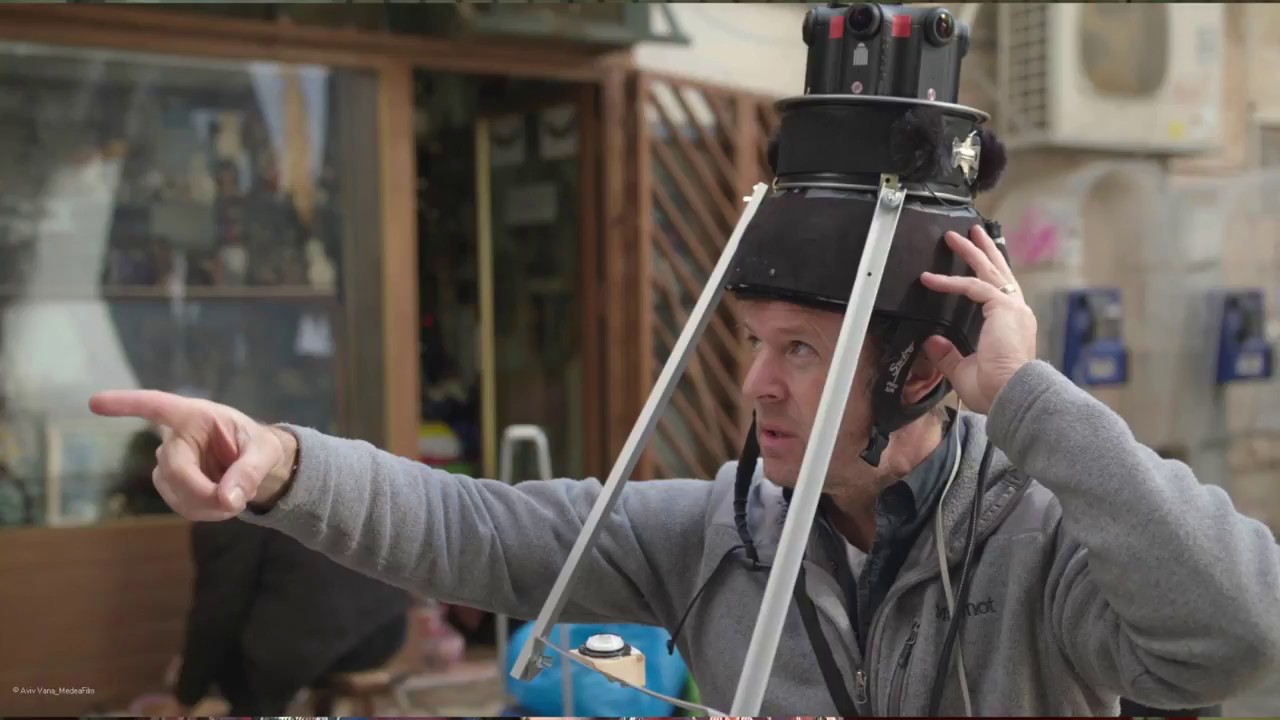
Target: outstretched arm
[(475, 542), (487, 544)]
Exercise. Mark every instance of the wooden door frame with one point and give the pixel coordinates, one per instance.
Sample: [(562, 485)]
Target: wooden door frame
[(595, 393), (148, 29), (393, 59), (583, 98)]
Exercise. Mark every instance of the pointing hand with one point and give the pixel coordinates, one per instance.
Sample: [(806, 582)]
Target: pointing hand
[(214, 459)]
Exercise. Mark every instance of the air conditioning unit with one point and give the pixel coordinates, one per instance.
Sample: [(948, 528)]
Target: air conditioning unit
[(1121, 77)]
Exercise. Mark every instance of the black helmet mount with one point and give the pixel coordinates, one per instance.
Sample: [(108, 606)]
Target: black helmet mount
[(880, 90)]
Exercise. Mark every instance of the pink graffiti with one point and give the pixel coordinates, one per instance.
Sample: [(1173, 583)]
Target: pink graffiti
[(1034, 240)]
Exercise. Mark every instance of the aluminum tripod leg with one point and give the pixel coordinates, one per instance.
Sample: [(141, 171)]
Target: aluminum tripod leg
[(531, 657), (817, 455), (512, 436)]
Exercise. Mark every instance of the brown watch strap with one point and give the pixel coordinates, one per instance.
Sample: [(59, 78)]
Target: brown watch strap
[(259, 509)]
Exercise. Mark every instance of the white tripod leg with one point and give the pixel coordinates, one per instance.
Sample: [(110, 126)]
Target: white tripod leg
[(531, 658), (817, 456), (512, 436)]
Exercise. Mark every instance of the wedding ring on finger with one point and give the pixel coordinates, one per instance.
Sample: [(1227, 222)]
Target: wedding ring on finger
[(1009, 288)]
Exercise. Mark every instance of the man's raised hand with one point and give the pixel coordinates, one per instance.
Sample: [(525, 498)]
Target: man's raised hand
[(214, 459)]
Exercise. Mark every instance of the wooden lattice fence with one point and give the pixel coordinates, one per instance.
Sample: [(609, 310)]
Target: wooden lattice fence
[(700, 151)]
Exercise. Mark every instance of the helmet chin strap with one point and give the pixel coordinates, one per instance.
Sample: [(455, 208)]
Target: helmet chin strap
[(902, 346)]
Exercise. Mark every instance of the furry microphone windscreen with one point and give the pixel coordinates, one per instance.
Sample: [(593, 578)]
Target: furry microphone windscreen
[(992, 160), (915, 143)]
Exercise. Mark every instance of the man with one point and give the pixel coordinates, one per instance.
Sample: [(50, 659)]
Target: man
[(270, 617), (1113, 573)]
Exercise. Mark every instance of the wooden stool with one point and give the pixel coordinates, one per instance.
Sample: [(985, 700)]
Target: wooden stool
[(365, 688)]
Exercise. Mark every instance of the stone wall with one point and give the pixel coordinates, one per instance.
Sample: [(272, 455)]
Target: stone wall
[(1166, 232)]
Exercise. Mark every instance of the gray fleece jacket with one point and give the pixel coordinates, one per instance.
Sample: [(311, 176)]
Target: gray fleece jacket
[(1107, 571)]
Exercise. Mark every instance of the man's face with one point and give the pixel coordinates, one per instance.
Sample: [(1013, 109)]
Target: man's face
[(792, 348)]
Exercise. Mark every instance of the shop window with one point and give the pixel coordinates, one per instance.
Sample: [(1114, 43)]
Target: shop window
[(166, 223)]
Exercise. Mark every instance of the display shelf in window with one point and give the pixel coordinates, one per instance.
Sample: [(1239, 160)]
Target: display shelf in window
[(198, 292), (175, 224)]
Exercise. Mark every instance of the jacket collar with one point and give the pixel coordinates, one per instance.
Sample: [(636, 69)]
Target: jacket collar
[(767, 503)]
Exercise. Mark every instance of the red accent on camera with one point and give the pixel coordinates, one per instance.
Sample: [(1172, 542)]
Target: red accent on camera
[(902, 26)]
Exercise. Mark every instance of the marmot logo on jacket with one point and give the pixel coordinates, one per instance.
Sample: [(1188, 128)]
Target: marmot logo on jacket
[(985, 607)]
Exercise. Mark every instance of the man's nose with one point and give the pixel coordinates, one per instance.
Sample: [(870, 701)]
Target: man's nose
[(763, 381)]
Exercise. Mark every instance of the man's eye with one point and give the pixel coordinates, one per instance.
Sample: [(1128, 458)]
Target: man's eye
[(802, 349), (753, 342)]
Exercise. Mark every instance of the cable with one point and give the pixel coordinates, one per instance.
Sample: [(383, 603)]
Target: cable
[(958, 615), (939, 537), (940, 201)]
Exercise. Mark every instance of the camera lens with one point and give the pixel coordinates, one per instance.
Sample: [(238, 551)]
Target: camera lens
[(860, 19), (944, 27), (864, 20), (941, 27)]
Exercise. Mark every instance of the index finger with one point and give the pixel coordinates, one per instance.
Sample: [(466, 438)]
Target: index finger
[(161, 408), (979, 236)]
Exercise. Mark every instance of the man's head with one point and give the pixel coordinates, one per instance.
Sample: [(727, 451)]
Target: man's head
[(792, 347)]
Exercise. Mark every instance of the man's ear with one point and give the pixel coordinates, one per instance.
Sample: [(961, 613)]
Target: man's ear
[(921, 381)]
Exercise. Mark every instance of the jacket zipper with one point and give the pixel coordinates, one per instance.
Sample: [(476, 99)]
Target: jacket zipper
[(860, 691), (929, 572), (862, 695), (900, 672)]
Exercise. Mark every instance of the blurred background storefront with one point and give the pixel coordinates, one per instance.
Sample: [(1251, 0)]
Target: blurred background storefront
[(409, 224), (418, 224)]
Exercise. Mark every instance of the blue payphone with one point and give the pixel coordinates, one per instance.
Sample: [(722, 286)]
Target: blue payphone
[(1244, 353), (1093, 352)]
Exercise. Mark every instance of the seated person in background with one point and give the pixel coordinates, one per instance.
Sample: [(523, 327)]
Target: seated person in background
[(135, 493), (270, 617)]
